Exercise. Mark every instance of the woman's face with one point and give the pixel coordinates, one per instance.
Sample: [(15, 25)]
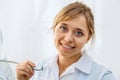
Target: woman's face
[(71, 36)]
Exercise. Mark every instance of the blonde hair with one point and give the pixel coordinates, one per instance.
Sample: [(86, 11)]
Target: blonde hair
[(73, 10)]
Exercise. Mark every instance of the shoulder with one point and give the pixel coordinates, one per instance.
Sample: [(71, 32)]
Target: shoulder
[(101, 72), (97, 68)]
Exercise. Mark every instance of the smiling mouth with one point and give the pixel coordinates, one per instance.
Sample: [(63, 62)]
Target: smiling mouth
[(67, 47)]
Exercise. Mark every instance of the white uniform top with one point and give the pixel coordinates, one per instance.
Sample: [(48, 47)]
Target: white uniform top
[(84, 69)]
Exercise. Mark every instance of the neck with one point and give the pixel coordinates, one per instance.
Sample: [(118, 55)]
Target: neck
[(64, 62)]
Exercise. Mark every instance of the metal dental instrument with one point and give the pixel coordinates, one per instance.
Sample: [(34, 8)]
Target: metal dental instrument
[(14, 62)]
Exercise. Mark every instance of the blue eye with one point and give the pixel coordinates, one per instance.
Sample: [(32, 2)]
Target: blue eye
[(78, 33)]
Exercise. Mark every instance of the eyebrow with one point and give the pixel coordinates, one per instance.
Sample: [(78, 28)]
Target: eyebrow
[(80, 29), (64, 24), (76, 28)]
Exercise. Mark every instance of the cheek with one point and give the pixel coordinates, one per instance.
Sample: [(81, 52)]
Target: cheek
[(57, 37), (55, 40), (81, 42)]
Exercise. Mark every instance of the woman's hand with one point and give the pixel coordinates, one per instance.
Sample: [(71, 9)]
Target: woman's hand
[(25, 70)]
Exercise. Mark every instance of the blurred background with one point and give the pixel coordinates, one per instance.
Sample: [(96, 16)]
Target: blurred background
[(26, 35)]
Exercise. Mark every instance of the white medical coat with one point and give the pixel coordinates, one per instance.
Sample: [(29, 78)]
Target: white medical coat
[(84, 69)]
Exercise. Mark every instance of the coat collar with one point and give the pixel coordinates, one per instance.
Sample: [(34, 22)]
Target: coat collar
[(84, 64)]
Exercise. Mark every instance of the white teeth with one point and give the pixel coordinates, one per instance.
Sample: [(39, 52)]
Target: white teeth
[(67, 46)]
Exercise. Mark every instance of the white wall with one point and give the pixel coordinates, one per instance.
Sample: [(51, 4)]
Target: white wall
[(109, 29), (25, 27)]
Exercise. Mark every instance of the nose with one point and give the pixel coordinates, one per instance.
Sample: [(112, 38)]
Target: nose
[(69, 37)]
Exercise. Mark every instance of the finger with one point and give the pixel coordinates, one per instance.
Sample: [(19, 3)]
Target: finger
[(26, 68), (21, 72), (31, 66), (31, 63), (30, 69)]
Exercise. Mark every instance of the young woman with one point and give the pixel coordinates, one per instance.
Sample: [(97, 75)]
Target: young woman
[(73, 27)]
